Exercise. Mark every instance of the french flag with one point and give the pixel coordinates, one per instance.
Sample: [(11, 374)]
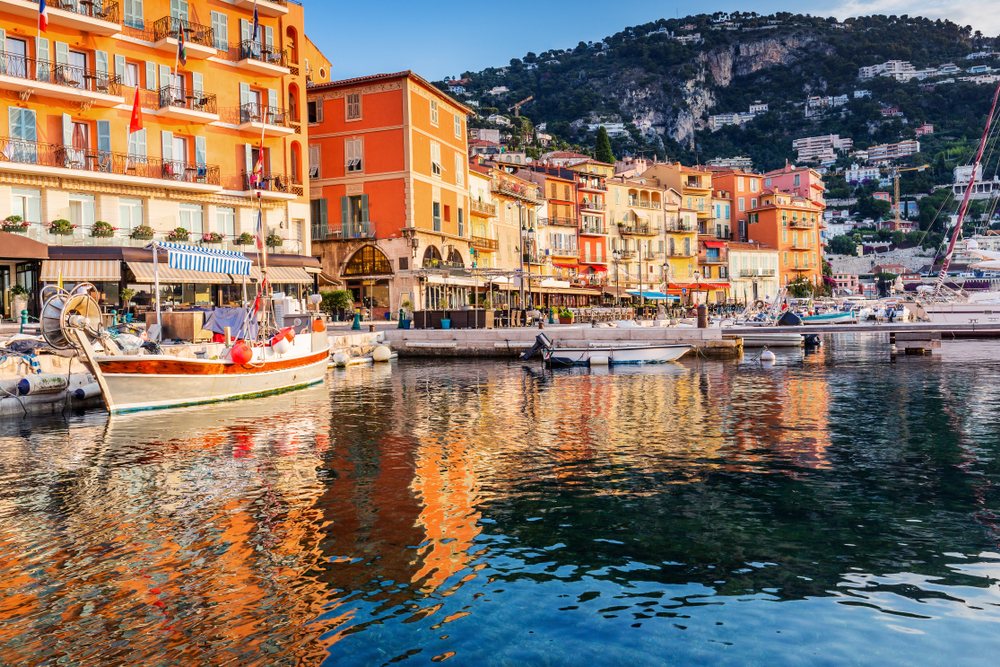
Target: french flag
[(43, 15)]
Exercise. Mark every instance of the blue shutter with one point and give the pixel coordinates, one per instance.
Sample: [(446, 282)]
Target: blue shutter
[(104, 135)]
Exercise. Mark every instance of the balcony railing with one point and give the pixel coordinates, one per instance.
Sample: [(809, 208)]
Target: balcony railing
[(487, 209), (515, 190), (564, 252), (678, 228), (105, 11), (626, 254), (252, 112), (755, 273), (251, 50), (680, 252), (592, 206), (588, 258), (641, 229), (595, 186), (272, 181), (558, 222), (590, 228), (47, 71), (643, 203), (168, 27), (801, 224), (362, 229), (86, 159), (708, 259), (801, 245), (171, 96), (485, 244)]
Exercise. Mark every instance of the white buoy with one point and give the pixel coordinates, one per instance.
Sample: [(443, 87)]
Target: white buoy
[(382, 353), (767, 356), (599, 360), (341, 359)]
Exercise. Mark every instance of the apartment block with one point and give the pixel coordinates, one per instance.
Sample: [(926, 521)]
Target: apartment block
[(791, 225), (885, 152), (822, 148)]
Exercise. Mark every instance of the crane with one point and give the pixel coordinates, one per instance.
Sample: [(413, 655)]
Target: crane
[(517, 106), (895, 187)]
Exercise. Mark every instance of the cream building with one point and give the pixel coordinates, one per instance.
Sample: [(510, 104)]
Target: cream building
[(753, 271)]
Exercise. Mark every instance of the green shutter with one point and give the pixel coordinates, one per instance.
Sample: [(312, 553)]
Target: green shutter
[(323, 216), (167, 142), (120, 66), (101, 61), (165, 79), (104, 135), (200, 151), (3, 48), (196, 83), (151, 76), (62, 53), (344, 229), (364, 214), (67, 130), (272, 100)]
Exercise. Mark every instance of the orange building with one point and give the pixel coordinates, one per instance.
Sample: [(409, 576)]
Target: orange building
[(743, 189), (67, 154), (389, 197), (792, 225)]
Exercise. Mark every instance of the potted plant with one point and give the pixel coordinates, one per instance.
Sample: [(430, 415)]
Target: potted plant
[(246, 238), (61, 227), (273, 240), (142, 233), (19, 300), (14, 224), (565, 316), (445, 320), (213, 237), (336, 301), (178, 234), (407, 307), (126, 294), (102, 230)]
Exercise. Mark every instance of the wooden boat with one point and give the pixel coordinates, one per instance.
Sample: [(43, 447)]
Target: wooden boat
[(605, 355)]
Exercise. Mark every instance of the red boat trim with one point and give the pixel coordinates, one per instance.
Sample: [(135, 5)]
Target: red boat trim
[(192, 367)]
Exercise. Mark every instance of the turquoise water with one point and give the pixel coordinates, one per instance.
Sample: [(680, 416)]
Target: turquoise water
[(835, 508)]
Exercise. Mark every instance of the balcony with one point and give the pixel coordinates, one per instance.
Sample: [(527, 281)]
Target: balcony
[(536, 259), (558, 222), (360, 229), (801, 224), (591, 206), (263, 59), (485, 209), (270, 8), (801, 245), (625, 255), (591, 229), (680, 252), (86, 164), (517, 190), (96, 18), (273, 185), (199, 40), (695, 184), (656, 254), (644, 203), (710, 259), (680, 229), (564, 252), (757, 273), (274, 121), (197, 107), (587, 258), (592, 186), (483, 244), (641, 229), (44, 77)]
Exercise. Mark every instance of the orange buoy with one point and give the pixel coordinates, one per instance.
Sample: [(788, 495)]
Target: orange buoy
[(241, 353), (318, 325)]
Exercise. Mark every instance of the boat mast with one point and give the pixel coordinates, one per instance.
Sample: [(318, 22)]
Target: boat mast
[(968, 194)]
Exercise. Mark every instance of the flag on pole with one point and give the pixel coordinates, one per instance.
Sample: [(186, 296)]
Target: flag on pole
[(259, 232), (181, 48), (256, 24), (60, 279), (43, 15), (135, 123)]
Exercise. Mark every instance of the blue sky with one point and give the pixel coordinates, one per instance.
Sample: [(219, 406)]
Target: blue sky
[(447, 37)]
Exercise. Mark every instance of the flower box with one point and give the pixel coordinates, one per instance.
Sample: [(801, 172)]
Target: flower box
[(61, 227)]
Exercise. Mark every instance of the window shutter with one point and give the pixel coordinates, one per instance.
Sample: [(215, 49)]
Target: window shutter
[(268, 36), (272, 100), (104, 135), (200, 151), (244, 30), (14, 122), (42, 52), (28, 132), (323, 215), (101, 61), (364, 208), (151, 76), (175, 9), (67, 130), (62, 53), (343, 216), (167, 139), (140, 142), (120, 66), (244, 94), (197, 83), (165, 76), (249, 158), (3, 48), (348, 151)]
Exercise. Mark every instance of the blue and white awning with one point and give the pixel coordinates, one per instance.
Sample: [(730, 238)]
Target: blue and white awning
[(653, 296), (209, 260)]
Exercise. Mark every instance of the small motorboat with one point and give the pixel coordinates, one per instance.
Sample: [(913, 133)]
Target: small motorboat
[(830, 318), (605, 355)]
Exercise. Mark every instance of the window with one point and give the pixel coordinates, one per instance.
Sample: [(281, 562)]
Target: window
[(784, 236), (133, 14), (447, 213), (458, 126), (798, 181), (192, 218), (27, 204), (753, 203), (767, 182), (437, 216), (754, 184), (727, 211), (786, 258), (742, 203), (461, 223), (459, 169), (129, 214), (566, 193), (353, 105), (354, 219), (314, 161), (220, 30), (315, 111), (82, 210), (708, 271), (353, 155), (225, 221), (130, 77), (436, 167), (739, 184), (434, 113)]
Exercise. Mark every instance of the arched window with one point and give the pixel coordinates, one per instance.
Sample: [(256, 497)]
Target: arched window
[(455, 258), (296, 168), (292, 43), (368, 261), (293, 102), (432, 257)]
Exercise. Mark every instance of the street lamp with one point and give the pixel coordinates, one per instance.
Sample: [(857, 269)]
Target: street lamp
[(527, 241), (410, 234), (615, 255)]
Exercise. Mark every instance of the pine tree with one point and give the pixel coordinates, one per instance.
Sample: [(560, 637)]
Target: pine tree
[(603, 147)]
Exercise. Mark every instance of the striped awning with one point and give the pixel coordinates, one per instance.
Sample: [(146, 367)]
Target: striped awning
[(284, 274), (144, 274), (81, 270), (210, 260)]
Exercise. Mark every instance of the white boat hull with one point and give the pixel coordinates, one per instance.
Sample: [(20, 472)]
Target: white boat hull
[(961, 313), (773, 340), (582, 356)]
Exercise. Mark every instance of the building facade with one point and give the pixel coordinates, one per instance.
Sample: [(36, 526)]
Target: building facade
[(791, 225), (753, 272), (743, 190)]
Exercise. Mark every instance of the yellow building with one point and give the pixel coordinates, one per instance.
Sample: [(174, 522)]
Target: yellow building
[(637, 213), (68, 157)]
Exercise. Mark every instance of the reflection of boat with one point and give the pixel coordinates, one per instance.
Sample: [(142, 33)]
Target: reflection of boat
[(604, 355), (772, 339)]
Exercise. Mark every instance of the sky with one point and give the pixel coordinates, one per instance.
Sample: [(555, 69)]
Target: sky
[(447, 37)]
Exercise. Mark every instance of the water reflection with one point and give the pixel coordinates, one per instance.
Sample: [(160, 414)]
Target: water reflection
[(498, 513)]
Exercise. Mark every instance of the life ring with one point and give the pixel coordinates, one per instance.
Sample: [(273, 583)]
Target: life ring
[(759, 303)]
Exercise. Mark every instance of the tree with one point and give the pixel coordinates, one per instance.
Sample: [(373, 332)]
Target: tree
[(602, 150), (843, 245)]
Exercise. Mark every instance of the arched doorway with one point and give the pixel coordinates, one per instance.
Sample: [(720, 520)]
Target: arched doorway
[(296, 172), (367, 274), (432, 258)]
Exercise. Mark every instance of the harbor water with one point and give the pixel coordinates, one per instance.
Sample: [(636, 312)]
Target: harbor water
[(834, 508)]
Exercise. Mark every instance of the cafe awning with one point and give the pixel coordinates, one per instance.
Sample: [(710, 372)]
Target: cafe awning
[(653, 296), (284, 274), (81, 270), (18, 246), (144, 274), (211, 260), (714, 244)]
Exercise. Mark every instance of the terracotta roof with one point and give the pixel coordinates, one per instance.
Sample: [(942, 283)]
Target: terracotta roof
[(752, 245), (565, 154), (482, 142), (385, 77), (481, 168)]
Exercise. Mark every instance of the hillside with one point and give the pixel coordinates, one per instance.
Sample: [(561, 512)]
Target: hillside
[(664, 79)]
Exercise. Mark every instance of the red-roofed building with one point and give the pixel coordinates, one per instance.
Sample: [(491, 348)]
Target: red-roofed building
[(802, 181), (791, 225)]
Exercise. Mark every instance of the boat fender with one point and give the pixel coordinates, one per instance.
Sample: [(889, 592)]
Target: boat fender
[(42, 384), (381, 353), (758, 303), (598, 360), (767, 356), (318, 325), (341, 359), (241, 353), (87, 391)]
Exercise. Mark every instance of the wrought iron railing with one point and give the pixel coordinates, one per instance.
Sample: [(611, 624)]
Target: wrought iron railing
[(270, 181), (107, 162), (754, 273), (105, 10), (483, 208), (591, 205), (593, 185), (483, 243), (644, 203), (559, 222), (515, 190), (194, 33), (62, 74), (641, 229), (803, 223), (590, 228), (679, 228), (252, 112), (251, 50), (588, 258), (171, 96), (564, 252), (712, 259)]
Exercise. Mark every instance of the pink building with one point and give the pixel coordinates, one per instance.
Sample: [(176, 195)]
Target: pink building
[(802, 181), (884, 196), (924, 129), (847, 283)]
